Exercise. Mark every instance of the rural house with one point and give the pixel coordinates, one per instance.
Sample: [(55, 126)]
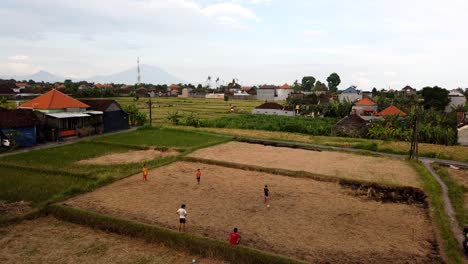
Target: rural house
[(408, 90), (274, 93), (351, 126), (19, 125), (365, 108), (350, 94), (273, 109), (63, 116), (457, 99), (114, 118)]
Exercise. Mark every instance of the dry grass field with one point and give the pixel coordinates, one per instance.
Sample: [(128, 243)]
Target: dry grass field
[(330, 163), (461, 176), (310, 220), (133, 156), (48, 240)]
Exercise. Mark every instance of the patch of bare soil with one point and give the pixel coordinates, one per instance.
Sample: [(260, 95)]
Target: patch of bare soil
[(48, 240), (309, 220), (13, 209), (338, 164), (129, 157)]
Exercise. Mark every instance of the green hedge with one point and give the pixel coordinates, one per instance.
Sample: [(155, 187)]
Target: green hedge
[(181, 241)]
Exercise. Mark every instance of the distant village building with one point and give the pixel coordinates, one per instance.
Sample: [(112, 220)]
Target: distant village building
[(408, 90), (274, 93), (19, 125), (350, 94), (214, 96), (463, 129), (270, 108), (365, 108), (64, 116), (456, 99)]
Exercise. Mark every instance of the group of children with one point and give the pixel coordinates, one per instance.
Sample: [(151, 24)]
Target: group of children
[(234, 236)]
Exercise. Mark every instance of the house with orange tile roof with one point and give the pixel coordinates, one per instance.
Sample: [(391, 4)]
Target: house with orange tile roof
[(64, 116), (392, 111), (365, 108)]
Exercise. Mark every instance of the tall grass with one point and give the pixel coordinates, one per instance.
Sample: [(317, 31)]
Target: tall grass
[(36, 187), (432, 188), (311, 126)]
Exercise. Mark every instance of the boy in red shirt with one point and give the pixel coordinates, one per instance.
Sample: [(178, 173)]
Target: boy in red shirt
[(198, 175), (234, 237), (145, 173)]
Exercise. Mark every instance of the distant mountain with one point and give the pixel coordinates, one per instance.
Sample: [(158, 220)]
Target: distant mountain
[(38, 77), (149, 74)]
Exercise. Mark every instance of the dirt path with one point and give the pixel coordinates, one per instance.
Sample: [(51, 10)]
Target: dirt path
[(447, 204)]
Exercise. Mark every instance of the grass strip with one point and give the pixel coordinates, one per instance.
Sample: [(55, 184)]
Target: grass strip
[(383, 192), (48, 171), (181, 241), (434, 191), (456, 194)]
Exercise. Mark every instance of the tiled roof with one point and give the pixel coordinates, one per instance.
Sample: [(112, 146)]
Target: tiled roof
[(351, 89), (392, 110), (99, 105), (54, 100), (285, 86), (270, 106), (365, 101), (267, 87), (21, 84), (17, 118), (174, 86)]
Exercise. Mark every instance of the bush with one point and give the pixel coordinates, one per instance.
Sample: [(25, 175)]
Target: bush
[(136, 117)]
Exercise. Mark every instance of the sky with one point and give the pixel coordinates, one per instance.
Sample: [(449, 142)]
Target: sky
[(369, 43)]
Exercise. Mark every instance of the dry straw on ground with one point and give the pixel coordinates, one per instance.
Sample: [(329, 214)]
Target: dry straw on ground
[(47, 240), (129, 157), (309, 220), (338, 164)]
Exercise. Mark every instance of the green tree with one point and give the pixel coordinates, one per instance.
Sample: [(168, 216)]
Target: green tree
[(319, 86), (435, 97), (297, 86), (333, 82), (308, 83), (374, 92)]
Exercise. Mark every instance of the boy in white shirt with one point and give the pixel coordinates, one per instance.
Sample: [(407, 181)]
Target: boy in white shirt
[(182, 214)]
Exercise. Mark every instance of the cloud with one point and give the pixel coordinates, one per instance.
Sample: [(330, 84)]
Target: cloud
[(231, 11), (313, 32), (17, 68), (93, 18), (19, 57)]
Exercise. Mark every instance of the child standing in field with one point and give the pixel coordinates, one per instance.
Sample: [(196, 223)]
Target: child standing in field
[(145, 172), (182, 215), (234, 237), (198, 175), (266, 193)]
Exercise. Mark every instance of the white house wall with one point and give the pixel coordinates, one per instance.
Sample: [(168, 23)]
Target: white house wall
[(272, 112), (266, 94), (454, 102), (349, 96), (463, 136)]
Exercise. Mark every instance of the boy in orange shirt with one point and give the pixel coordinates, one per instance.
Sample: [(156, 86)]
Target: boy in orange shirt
[(198, 175), (145, 172)]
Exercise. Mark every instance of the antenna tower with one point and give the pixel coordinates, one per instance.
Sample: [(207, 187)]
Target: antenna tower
[(138, 69)]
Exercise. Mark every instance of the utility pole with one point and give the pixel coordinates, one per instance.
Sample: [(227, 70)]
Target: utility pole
[(414, 139), (150, 104)]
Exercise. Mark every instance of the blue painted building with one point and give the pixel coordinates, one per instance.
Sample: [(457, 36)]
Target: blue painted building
[(19, 126)]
